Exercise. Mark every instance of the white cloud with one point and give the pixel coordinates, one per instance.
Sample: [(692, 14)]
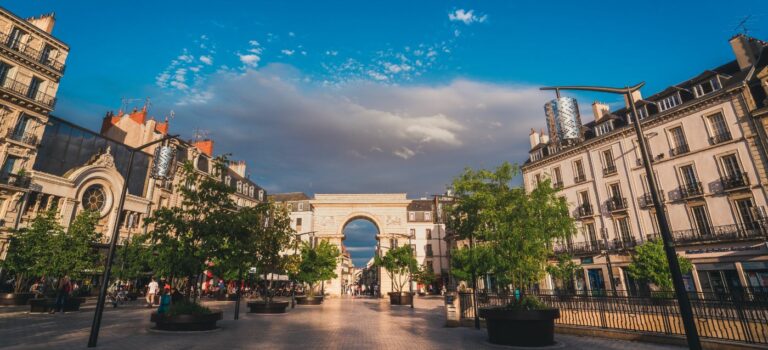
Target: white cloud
[(331, 53), (467, 17), (250, 60), (405, 153), (287, 52), (206, 59), (291, 34)]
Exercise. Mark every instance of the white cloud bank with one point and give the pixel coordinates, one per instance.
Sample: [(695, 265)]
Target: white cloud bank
[(466, 17)]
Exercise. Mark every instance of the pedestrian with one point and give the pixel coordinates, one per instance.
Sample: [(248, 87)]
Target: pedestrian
[(152, 289), (165, 301), (62, 293)]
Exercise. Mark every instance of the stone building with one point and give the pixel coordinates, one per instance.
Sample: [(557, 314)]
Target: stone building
[(428, 240), (31, 66), (710, 161)]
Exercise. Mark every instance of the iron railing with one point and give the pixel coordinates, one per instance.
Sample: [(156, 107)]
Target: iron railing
[(689, 190), (31, 53), (734, 232), (734, 181), (557, 184), (22, 89), (23, 137), (646, 201), (579, 178), (720, 138), (616, 204), (15, 180), (679, 150), (584, 210), (609, 170), (736, 317), (580, 248)]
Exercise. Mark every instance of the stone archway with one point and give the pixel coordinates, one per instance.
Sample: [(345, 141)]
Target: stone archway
[(331, 213)]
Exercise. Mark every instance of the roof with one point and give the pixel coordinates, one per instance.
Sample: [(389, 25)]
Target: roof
[(420, 205), (289, 196)]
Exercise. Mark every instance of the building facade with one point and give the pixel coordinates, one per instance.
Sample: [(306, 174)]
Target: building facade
[(31, 66), (710, 164), (428, 240)]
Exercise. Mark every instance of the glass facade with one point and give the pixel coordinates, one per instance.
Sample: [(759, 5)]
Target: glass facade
[(66, 146)]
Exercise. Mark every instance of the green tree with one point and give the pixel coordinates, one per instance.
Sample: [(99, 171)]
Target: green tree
[(513, 229), (133, 258), (73, 252), (27, 246), (274, 236), (649, 264), (424, 275), (317, 264), (399, 263), (564, 271)]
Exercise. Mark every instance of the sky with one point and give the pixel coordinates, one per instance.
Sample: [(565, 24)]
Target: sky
[(371, 97)]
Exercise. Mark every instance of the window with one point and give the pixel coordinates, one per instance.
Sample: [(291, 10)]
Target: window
[(429, 249), (578, 169), (654, 224), (21, 126), (239, 186), (301, 206), (689, 175), (700, 220), (392, 243), (429, 233), (14, 40), (298, 222), (537, 179), (643, 112), (4, 70), (604, 128), (719, 129), (746, 211), (427, 216), (589, 233), (706, 87), (622, 224), (669, 102), (731, 166), (557, 177), (615, 190), (261, 195), (290, 207), (94, 198), (411, 216), (608, 162), (34, 87), (413, 232), (679, 145), (45, 56), (584, 197)]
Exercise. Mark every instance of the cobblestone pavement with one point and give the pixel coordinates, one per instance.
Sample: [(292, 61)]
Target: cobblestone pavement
[(337, 324)]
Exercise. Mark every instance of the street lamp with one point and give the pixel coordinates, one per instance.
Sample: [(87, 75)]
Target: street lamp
[(686, 312), (295, 251), (162, 167)]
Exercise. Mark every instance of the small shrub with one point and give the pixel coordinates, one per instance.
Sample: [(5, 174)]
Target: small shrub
[(528, 302), (187, 308)]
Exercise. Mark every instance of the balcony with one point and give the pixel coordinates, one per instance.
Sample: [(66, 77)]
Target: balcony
[(580, 248), (584, 210), (755, 230), (579, 178), (14, 180), (691, 190), (616, 204), (23, 137), (720, 138), (557, 184), (735, 181), (646, 201), (22, 90), (625, 243), (609, 170), (682, 149), (31, 53)]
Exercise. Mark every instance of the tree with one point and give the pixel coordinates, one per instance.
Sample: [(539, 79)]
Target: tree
[(424, 275), (399, 264), (133, 259), (72, 252), (564, 271), (513, 229), (649, 264), (27, 246), (317, 264), (273, 237), (185, 238)]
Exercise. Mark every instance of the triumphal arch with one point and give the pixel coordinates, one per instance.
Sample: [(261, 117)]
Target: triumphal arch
[(387, 211)]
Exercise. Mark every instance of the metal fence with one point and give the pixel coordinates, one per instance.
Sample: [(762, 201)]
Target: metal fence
[(740, 318)]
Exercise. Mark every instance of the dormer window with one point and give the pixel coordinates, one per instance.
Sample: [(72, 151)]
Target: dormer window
[(642, 111), (239, 187), (669, 102), (707, 87), (227, 179), (604, 128), (250, 191), (261, 195)]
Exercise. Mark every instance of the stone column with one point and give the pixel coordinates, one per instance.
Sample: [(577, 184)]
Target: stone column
[(696, 282), (742, 275), (587, 285)]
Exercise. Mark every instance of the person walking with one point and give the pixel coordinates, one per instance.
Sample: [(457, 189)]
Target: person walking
[(152, 289), (165, 301), (62, 293)]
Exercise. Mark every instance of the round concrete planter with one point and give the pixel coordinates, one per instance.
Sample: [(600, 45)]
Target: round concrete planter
[(309, 300), (402, 298), (186, 323), (275, 307), (45, 305), (15, 298), (520, 327)]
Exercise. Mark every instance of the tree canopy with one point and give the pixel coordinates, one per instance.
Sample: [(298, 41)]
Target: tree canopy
[(400, 264), (649, 264), (317, 264)]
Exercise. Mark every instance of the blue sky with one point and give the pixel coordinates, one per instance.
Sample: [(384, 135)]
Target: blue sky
[(361, 96)]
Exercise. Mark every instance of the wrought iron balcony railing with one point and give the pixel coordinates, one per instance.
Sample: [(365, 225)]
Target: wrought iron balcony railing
[(584, 210), (720, 138), (15, 180), (734, 232), (609, 170), (557, 184), (679, 150), (616, 204), (31, 53), (623, 243), (22, 89), (691, 190), (645, 201), (580, 248), (23, 137), (735, 181), (579, 178)]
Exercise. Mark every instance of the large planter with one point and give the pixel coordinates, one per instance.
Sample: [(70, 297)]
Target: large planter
[(520, 327), (401, 298), (316, 300), (260, 307), (186, 323), (15, 298), (46, 305)]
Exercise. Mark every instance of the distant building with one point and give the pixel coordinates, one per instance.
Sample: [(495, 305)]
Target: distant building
[(710, 161), (428, 240)]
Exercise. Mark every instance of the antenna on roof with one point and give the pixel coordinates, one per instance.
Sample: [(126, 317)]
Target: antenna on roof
[(124, 102), (742, 26), (201, 134)]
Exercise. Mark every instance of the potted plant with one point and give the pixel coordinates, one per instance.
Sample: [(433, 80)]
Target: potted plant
[(273, 236), (511, 232), (316, 264), (400, 264), (185, 238), (649, 264)]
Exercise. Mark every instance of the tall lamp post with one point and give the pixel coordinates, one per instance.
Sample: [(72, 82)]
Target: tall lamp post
[(295, 251), (686, 312), (163, 166), (410, 273)]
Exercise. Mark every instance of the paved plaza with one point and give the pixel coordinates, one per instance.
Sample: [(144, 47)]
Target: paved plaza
[(338, 324)]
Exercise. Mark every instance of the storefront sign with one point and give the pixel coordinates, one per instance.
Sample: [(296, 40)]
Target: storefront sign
[(587, 261), (723, 249)]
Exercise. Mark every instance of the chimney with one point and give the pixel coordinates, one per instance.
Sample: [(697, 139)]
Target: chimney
[(238, 167), (746, 50), (44, 22), (599, 110), (109, 120), (636, 95), (139, 116), (544, 137), (535, 138), (205, 146)]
